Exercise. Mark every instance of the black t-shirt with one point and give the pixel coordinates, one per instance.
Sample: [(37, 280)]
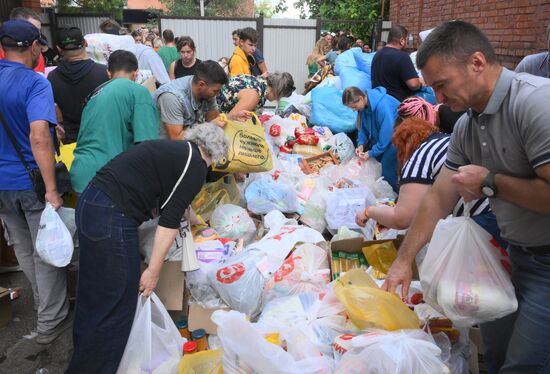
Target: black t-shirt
[(391, 68), (448, 118), (72, 82), (182, 71), (141, 179)]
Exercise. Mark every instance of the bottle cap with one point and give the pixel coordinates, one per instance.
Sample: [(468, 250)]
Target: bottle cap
[(189, 347), (181, 324), (198, 334)]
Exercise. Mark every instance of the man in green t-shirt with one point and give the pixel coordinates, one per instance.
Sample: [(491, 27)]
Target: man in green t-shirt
[(117, 115), (168, 53)]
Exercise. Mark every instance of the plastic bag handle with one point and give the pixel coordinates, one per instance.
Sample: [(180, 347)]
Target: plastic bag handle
[(468, 207)]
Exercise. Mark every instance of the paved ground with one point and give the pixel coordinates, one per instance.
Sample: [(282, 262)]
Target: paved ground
[(20, 355)]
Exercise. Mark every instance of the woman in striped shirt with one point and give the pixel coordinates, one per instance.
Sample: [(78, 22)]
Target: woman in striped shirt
[(421, 153)]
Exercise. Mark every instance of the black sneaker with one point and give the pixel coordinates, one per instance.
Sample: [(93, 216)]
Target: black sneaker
[(47, 338)]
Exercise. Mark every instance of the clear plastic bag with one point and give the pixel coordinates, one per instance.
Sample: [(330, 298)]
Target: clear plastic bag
[(246, 351), (232, 221), (342, 146), (265, 194), (342, 206), (54, 242), (318, 321), (400, 352), (305, 270), (462, 275), (155, 344)]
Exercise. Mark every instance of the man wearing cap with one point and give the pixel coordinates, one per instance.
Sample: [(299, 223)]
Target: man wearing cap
[(28, 115), (74, 79)]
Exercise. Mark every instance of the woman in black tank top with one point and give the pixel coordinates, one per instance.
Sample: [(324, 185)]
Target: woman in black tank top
[(187, 64)]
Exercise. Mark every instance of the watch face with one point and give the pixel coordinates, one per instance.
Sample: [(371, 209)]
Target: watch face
[(487, 191)]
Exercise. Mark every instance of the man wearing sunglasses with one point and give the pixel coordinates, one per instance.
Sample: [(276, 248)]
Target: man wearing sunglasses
[(539, 63)]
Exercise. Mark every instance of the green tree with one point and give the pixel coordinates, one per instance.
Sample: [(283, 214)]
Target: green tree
[(265, 8), (187, 8), (113, 7), (367, 11)]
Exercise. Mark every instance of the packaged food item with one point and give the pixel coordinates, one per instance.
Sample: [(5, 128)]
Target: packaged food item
[(199, 337), (344, 265), (313, 165), (380, 256), (335, 262)]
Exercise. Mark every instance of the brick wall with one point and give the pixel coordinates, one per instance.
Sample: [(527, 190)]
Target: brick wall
[(31, 4), (515, 27)]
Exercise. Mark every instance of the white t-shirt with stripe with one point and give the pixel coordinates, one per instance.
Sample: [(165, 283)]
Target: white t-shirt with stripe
[(425, 164)]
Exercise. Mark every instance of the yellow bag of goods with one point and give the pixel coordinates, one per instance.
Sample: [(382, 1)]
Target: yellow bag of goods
[(370, 307), (380, 256), (223, 191), (205, 362), (248, 150), (66, 155)]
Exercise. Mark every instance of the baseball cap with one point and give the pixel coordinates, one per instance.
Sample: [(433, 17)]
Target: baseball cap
[(22, 32), (69, 38)]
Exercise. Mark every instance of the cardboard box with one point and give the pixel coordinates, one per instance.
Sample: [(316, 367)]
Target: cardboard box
[(171, 286), (199, 318), (356, 245), (5, 307)]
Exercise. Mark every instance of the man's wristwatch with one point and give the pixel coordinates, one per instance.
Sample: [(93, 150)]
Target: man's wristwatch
[(488, 187)]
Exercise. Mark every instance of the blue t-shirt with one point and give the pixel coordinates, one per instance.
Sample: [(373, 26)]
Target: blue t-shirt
[(258, 58), (25, 96)]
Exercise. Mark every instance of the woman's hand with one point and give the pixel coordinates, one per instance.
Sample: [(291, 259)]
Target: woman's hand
[(148, 281), (241, 116), (220, 121), (362, 217), (359, 152)]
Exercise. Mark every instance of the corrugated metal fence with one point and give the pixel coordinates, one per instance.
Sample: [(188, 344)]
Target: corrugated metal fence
[(285, 43), (89, 24)]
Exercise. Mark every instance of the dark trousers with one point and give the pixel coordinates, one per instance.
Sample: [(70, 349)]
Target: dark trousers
[(108, 283)]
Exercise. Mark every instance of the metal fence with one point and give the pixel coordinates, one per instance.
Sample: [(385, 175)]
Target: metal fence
[(5, 8), (88, 23), (285, 43)]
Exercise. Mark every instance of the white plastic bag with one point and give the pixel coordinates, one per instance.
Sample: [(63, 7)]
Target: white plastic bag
[(462, 275), (305, 270), (399, 352), (155, 344), (232, 221), (342, 206), (54, 242), (342, 146), (100, 46), (265, 194), (246, 351)]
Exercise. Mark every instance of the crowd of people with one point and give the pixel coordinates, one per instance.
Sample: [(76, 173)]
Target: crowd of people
[(486, 142)]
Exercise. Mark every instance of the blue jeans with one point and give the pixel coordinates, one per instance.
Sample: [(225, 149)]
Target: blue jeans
[(520, 342), (108, 283)]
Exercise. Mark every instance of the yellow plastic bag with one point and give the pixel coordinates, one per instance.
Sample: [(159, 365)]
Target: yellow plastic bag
[(66, 155), (370, 307), (380, 256), (223, 191), (205, 362), (248, 150)]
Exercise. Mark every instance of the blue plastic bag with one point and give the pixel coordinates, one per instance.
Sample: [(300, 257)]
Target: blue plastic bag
[(427, 93), (328, 110), (354, 68)]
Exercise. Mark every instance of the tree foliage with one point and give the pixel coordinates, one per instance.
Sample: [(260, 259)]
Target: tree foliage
[(113, 7), (265, 8), (360, 10), (191, 8)]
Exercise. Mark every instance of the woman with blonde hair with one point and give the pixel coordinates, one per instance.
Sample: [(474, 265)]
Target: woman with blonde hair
[(316, 59)]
